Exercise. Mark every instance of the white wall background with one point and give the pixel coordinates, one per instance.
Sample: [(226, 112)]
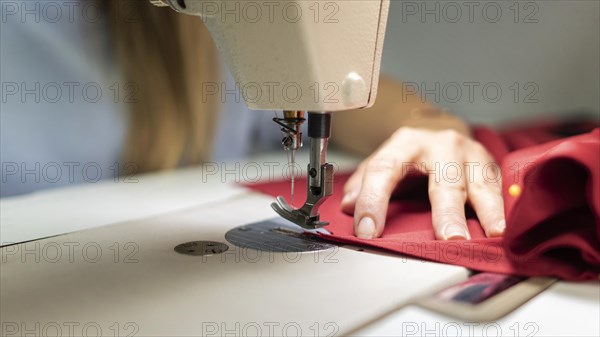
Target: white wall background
[(554, 46)]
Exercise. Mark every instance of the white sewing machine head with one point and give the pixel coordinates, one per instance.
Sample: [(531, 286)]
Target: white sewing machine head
[(296, 56)]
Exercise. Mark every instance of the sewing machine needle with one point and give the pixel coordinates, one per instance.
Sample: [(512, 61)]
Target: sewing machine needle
[(293, 170)]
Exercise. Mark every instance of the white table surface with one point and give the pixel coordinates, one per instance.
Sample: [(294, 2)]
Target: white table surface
[(64, 210), (564, 309)]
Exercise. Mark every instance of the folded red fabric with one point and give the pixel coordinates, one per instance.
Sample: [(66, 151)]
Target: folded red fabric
[(552, 204)]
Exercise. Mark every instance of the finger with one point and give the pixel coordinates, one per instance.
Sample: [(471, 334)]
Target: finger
[(447, 194), (381, 175), (354, 183), (352, 187), (484, 192)]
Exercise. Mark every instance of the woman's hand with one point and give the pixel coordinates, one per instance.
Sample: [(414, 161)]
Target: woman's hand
[(459, 169)]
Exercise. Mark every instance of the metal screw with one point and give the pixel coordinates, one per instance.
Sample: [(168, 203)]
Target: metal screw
[(287, 141)]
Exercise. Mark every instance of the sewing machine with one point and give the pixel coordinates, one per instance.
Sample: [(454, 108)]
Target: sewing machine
[(299, 56)]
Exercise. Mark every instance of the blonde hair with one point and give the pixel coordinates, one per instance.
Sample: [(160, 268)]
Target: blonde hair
[(168, 56)]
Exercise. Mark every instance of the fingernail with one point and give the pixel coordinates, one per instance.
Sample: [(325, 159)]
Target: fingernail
[(500, 227), (455, 232), (365, 228)]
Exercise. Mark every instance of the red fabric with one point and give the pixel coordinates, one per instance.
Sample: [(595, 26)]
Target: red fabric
[(553, 227)]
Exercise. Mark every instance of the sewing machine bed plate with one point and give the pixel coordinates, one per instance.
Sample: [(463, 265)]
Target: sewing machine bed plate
[(127, 279)]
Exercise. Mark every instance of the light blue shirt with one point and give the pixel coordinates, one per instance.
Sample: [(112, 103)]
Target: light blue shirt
[(63, 119)]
